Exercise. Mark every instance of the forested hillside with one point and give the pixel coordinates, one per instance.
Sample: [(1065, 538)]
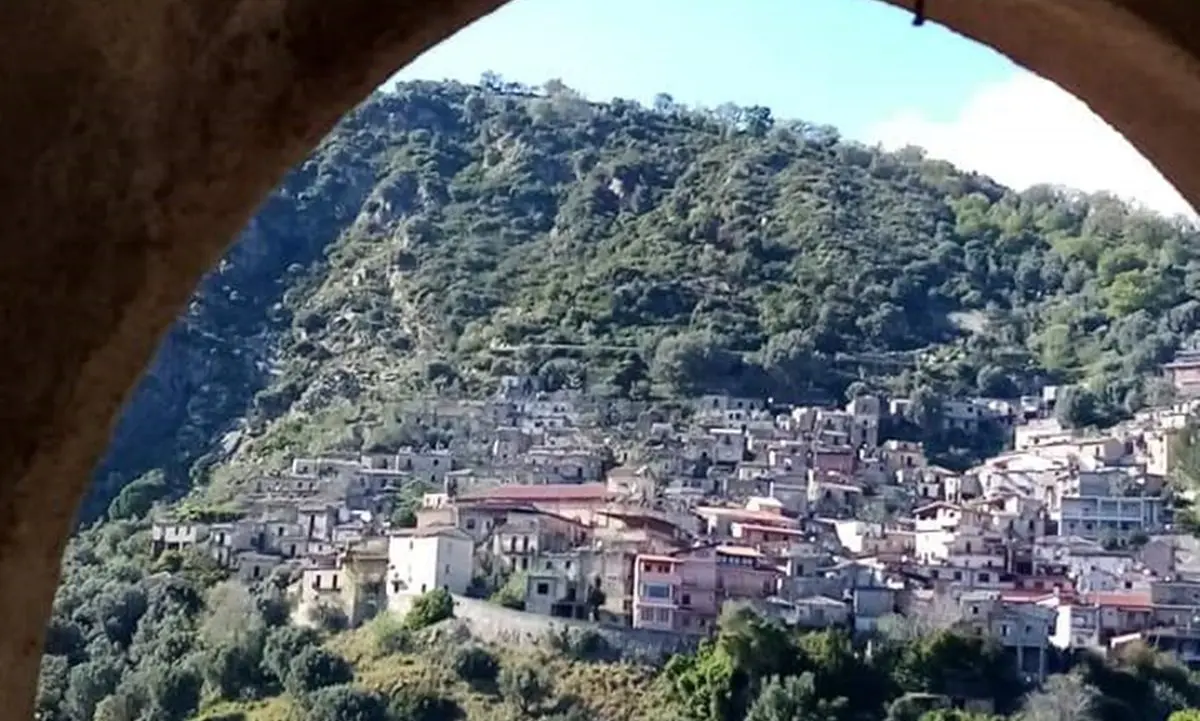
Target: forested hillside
[(446, 234)]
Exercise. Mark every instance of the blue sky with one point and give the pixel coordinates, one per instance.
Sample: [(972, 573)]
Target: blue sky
[(856, 64)]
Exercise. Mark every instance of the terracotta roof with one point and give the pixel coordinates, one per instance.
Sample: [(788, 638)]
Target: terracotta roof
[(542, 492), (1129, 599)]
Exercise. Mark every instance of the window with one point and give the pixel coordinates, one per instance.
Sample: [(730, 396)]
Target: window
[(470, 524), (687, 599), (662, 615), (984, 577), (659, 591), (645, 614), (524, 564), (543, 589), (958, 575), (974, 610), (1004, 629)]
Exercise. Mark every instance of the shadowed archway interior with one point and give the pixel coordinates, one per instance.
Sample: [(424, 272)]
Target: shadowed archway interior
[(137, 136)]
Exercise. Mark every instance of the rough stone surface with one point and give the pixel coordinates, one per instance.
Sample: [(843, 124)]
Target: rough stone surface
[(137, 136)]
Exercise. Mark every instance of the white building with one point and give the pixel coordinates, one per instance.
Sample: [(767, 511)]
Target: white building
[(422, 559)]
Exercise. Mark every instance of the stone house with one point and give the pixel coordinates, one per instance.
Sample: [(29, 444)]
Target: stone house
[(352, 582)]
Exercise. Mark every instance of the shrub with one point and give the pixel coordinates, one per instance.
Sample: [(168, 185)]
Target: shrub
[(512, 593), (429, 608), (476, 665), (315, 668), (581, 644), (412, 705), (282, 647), (524, 685), (346, 703), (391, 636), (329, 617)]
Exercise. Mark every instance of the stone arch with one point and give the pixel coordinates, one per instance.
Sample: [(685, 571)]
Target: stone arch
[(136, 136)]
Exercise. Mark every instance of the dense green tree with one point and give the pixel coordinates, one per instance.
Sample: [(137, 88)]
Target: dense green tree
[(284, 644), (345, 703), (136, 498), (794, 698), (315, 668), (429, 608)]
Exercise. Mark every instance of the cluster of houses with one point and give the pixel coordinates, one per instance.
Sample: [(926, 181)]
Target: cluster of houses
[(1063, 541)]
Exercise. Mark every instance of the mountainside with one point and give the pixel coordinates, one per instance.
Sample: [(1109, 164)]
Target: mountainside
[(447, 234)]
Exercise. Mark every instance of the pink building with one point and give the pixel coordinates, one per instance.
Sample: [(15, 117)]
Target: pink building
[(684, 592)]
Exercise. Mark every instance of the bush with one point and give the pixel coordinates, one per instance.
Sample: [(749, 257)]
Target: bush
[(581, 644), (282, 647), (410, 705), (512, 593), (316, 668), (329, 617), (524, 685), (476, 665), (391, 636), (346, 703), (429, 608)]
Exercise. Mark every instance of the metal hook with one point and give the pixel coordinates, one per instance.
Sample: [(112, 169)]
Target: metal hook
[(918, 13)]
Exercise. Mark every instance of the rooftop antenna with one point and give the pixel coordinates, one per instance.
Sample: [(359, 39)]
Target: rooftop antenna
[(918, 13)]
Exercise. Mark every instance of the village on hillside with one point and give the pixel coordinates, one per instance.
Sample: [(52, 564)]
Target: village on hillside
[(1063, 541)]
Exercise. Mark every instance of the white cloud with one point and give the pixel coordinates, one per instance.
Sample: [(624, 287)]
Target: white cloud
[(1025, 130)]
